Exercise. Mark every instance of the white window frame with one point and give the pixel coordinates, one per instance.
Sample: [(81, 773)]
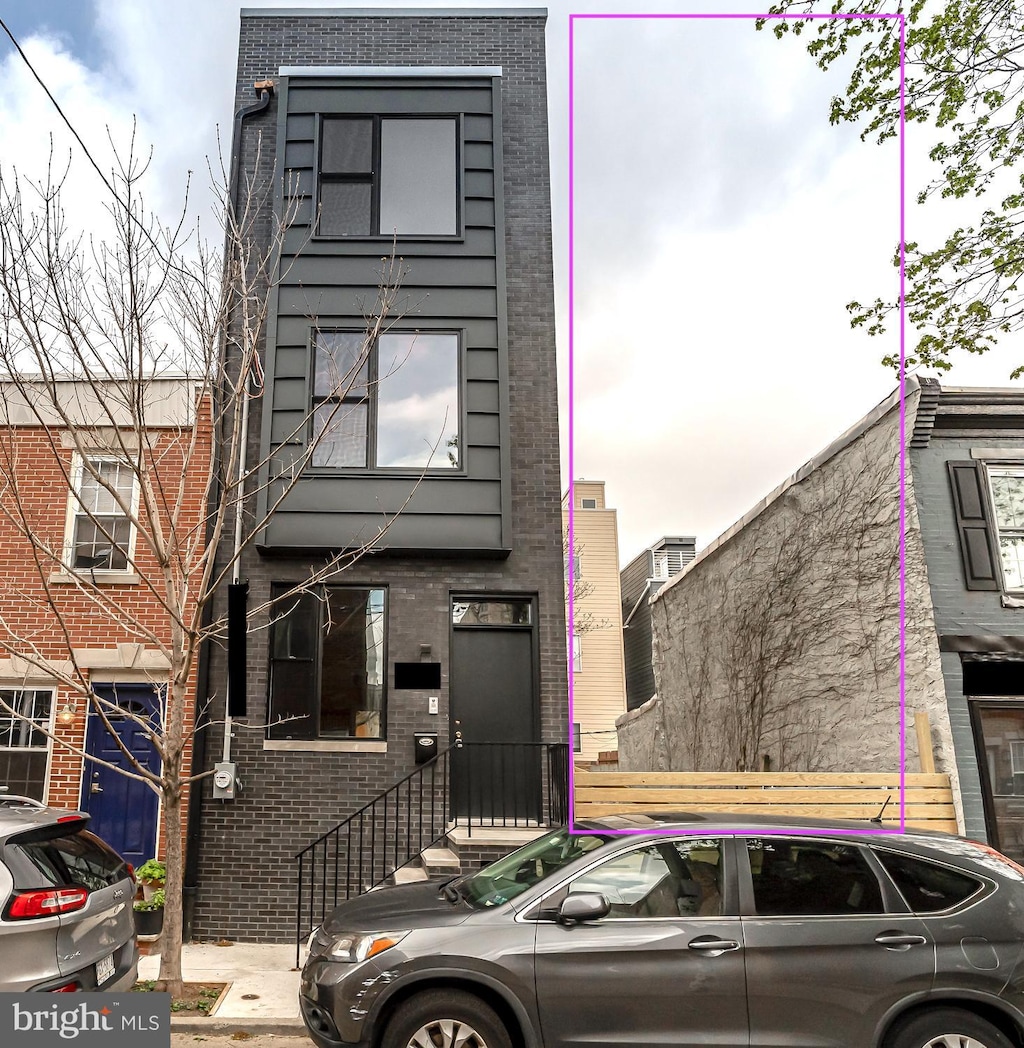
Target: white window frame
[(577, 653), (47, 748), (999, 532), (75, 511)]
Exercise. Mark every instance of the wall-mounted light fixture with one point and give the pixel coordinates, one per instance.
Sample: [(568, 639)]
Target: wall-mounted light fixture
[(67, 714)]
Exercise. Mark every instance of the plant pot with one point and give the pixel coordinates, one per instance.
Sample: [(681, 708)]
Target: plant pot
[(149, 922), (148, 887)]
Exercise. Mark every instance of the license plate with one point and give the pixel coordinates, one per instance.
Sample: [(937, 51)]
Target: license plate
[(104, 969)]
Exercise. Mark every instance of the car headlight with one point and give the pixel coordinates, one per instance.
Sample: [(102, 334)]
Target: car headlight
[(358, 946)]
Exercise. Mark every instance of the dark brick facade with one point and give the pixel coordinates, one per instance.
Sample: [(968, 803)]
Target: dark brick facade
[(246, 873)]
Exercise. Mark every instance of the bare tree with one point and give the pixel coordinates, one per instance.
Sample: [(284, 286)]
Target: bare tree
[(583, 619), (117, 314)]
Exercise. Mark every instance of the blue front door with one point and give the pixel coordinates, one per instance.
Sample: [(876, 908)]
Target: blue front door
[(124, 811)]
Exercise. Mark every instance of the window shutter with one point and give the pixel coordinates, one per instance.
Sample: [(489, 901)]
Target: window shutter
[(974, 525)]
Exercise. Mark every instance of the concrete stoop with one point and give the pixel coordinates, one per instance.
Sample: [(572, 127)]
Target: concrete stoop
[(467, 849)]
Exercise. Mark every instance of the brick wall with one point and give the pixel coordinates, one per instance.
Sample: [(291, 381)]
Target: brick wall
[(58, 616), (246, 882)]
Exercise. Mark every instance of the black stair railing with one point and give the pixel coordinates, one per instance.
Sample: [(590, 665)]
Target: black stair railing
[(471, 784), (510, 784), (372, 843)]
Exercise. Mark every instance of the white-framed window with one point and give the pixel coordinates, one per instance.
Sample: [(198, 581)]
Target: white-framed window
[(100, 509), (1006, 484), (577, 738), (24, 747), (577, 653), (393, 406), (588, 503)]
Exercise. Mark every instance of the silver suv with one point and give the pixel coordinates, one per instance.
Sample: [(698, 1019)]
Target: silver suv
[(65, 903)]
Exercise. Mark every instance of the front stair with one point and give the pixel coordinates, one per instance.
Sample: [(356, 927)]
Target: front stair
[(411, 831), (461, 853)]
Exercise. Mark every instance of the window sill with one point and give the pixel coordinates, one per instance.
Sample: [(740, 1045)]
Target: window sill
[(327, 745), (99, 578)]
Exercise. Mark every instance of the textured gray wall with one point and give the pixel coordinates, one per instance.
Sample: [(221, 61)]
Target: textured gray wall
[(825, 638), (246, 877)]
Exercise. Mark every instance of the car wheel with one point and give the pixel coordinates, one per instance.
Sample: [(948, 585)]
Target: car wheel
[(445, 1019), (947, 1028)]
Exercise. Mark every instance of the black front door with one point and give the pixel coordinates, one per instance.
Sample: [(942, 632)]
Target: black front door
[(496, 772)]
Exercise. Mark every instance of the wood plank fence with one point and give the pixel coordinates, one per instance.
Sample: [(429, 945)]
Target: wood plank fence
[(820, 795)]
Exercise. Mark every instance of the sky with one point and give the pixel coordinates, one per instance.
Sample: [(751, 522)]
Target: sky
[(720, 224)]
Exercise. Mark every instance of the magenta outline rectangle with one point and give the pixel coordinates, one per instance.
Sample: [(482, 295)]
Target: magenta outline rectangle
[(587, 16)]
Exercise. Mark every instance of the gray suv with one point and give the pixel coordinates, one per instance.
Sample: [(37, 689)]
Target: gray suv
[(66, 918), (706, 930)]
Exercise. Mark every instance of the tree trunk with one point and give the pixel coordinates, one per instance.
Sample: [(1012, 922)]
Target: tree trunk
[(170, 978)]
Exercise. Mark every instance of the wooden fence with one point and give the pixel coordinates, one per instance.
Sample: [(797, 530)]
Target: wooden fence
[(820, 795)]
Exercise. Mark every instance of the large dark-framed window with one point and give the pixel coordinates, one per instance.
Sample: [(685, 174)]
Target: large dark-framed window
[(389, 176), (392, 404), (328, 663)]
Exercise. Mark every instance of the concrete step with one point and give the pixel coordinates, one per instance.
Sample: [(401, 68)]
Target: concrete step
[(409, 874), (440, 860)]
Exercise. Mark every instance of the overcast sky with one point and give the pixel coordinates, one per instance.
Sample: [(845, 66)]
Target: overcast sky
[(721, 224)]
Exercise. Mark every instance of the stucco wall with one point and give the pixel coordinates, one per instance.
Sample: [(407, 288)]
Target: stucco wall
[(782, 641)]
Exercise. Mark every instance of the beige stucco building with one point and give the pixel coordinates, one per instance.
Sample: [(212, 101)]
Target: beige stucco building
[(592, 568)]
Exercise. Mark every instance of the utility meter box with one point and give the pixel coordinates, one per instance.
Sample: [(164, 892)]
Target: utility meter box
[(426, 745), (225, 780)]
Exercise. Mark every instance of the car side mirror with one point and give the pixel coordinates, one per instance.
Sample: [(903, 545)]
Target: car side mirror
[(583, 906)]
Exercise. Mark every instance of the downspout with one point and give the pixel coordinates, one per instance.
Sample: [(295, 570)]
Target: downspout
[(265, 91)]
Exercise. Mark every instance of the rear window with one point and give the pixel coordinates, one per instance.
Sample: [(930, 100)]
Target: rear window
[(78, 858), (926, 886)]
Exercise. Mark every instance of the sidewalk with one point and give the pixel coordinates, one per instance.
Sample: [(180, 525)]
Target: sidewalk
[(263, 995)]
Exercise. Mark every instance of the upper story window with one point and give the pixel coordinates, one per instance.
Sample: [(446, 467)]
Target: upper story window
[(384, 176), (394, 404), (100, 527), (1007, 486)]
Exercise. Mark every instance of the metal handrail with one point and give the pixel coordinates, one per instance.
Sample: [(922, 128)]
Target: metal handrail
[(472, 784), (365, 866)]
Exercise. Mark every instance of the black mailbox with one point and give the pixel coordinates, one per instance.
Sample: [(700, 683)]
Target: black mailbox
[(426, 745)]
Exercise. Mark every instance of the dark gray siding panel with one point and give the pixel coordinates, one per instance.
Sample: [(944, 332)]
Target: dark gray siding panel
[(429, 494), (331, 305), (407, 533), (398, 98), (446, 284)]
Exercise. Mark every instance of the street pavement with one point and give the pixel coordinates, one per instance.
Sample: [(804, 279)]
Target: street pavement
[(226, 1040)]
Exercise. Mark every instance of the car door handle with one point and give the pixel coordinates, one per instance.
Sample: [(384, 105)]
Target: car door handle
[(709, 943), (899, 939)]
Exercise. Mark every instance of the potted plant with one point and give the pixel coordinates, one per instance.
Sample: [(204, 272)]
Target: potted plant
[(149, 914), (152, 875)]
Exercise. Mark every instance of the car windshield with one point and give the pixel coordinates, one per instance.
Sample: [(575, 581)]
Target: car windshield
[(522, 869)]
